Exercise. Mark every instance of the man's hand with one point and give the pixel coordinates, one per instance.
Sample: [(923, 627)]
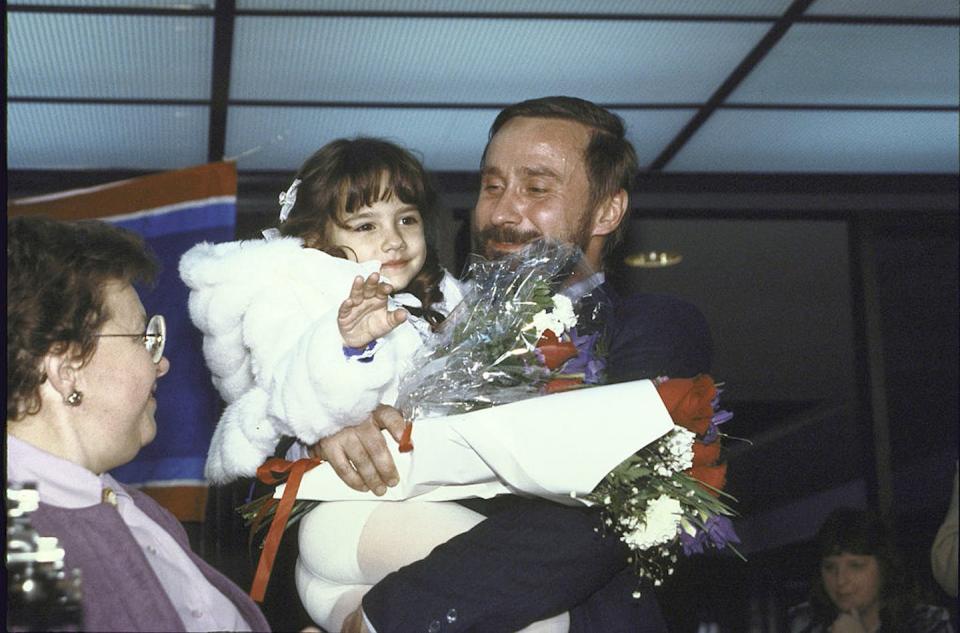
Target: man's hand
[(359, 453), (363, 316)]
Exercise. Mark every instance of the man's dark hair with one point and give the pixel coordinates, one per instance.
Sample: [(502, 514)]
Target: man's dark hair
[(610, 158)]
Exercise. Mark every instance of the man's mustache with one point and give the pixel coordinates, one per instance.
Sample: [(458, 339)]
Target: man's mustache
[(503, 235)]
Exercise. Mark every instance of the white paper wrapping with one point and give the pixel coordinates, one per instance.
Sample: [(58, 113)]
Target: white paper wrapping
[(549, 446)]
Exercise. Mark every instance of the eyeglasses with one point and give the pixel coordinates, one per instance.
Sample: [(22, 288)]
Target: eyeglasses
[(154, 338)]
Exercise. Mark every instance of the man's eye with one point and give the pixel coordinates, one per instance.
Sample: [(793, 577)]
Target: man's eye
[(492, 187), (537, 188)]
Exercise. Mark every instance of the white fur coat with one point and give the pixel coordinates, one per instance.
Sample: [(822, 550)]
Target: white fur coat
[(267, 310)]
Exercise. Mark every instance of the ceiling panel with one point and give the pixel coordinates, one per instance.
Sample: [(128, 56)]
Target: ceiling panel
[(837, 141), (108, 56), (605, 7), (71, 136), (448, 139), (483, 60), (888, 8), (858, 64)]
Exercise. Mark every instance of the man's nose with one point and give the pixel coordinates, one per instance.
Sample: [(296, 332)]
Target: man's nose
[(507, 211)]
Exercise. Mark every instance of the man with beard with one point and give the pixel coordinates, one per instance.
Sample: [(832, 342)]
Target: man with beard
[(556, 167)]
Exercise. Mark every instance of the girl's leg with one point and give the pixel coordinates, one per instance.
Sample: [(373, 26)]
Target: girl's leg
[(399, 533), (328, 577), (348, 546)]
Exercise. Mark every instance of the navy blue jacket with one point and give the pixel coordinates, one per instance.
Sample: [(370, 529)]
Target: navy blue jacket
[(532, 559)]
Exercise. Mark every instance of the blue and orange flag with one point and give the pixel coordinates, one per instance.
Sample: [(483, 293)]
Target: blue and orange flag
[(173, 211)]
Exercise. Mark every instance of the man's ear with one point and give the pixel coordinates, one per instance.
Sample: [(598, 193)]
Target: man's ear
[(610, 213), (63, 370)]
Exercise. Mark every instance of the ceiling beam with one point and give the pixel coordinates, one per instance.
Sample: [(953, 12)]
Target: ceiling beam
[(223, 19), (753, 58)]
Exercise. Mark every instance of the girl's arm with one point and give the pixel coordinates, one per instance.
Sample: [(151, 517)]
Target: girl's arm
[(298, 357)]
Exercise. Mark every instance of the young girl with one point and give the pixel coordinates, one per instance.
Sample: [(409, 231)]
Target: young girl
[(288, 353)]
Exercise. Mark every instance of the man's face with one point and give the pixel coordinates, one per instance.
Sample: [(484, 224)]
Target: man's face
[(533, 184)]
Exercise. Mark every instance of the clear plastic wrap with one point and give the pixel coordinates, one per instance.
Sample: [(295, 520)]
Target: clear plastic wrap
[(530, 323)]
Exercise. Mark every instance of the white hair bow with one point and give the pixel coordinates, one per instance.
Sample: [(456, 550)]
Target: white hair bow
[(287, 199)]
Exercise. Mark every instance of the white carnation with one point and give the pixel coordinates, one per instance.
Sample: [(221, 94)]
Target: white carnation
[(658, 526), (563, 311), (544, 320), (560, 318)]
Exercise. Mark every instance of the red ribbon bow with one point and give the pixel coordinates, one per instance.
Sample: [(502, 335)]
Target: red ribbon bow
[(272, 472)]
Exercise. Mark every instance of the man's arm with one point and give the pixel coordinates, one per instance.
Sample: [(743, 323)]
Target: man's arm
[(533, 559)]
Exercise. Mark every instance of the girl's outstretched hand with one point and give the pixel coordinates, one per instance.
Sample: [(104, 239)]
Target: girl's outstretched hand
[(363, 316)]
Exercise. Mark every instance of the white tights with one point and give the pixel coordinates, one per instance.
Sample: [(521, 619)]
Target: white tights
[(348, 546)]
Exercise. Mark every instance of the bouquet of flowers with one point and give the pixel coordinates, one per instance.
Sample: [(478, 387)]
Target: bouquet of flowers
[(669, 493), (532, 324), (523, 330), (525, 327)]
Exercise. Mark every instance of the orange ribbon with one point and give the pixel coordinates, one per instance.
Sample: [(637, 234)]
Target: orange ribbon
[(406, 441), (272, 472)]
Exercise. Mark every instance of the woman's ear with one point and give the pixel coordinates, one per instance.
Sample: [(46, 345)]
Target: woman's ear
[(610, 213), (63, 371)]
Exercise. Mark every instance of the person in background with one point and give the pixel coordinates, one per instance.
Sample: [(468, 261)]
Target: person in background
[(943, 554), (861, 585), (83, 364)]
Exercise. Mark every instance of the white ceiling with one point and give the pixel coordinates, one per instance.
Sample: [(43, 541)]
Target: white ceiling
[(839, 86)]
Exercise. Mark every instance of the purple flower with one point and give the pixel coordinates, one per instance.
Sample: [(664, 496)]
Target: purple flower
[(719, 417), (720, 531), (586, 362), (717, 531), (692, 544)]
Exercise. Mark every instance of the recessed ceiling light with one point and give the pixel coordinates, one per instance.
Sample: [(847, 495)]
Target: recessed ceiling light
[(652, 259)]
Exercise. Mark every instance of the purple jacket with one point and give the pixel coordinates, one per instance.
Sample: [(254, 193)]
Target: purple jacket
[(120, 590)]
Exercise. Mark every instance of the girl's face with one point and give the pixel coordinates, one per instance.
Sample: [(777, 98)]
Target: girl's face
[(852, 581), (390, 231)]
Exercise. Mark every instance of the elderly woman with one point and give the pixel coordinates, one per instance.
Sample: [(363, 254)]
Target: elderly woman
[(83, 361), (861, 585)]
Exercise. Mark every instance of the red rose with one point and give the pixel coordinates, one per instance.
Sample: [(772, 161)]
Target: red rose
[(689, 401), (556, 385), (715, 476), (705, 454), (555, 352)]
